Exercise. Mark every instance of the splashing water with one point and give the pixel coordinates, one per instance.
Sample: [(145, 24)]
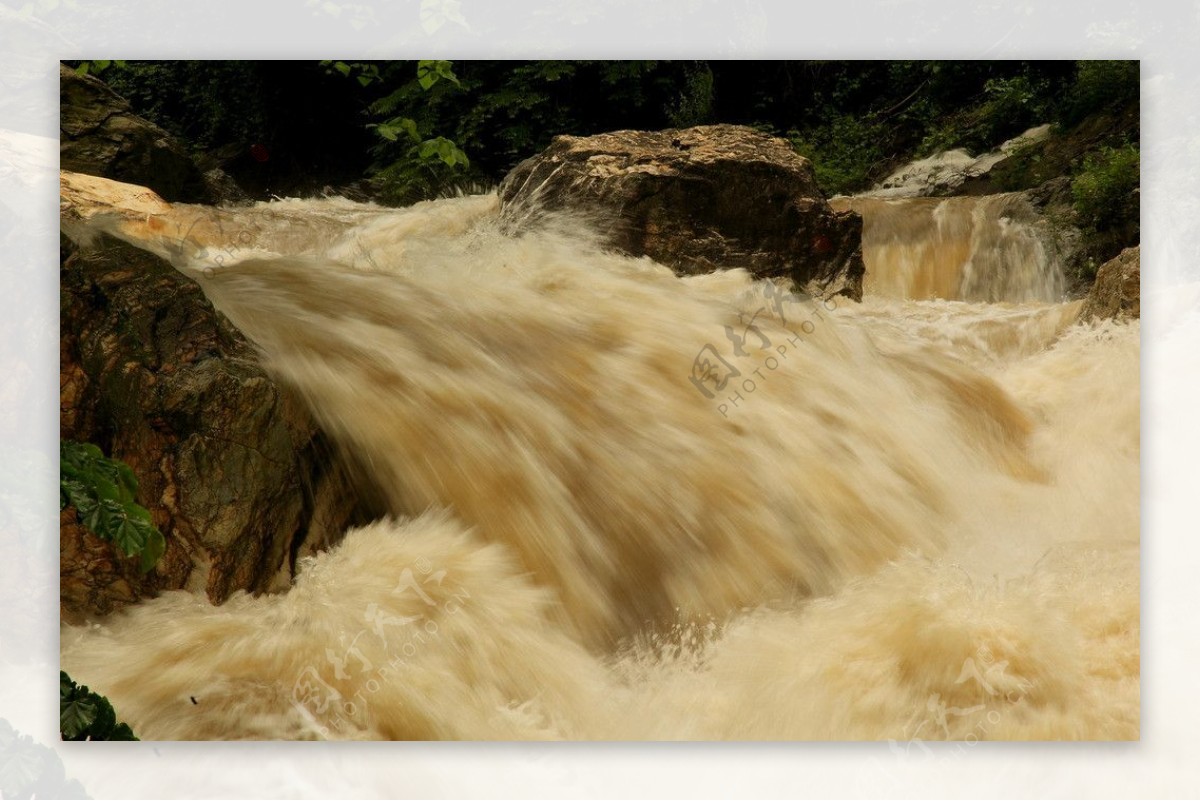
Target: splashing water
[(633, 506)]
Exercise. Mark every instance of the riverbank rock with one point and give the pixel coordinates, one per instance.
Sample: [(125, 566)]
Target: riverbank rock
[(232, 468), (697, 199), (1117, 292)]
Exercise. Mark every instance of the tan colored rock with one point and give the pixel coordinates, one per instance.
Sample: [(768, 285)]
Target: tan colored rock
[(697, 199), (1116, 293)]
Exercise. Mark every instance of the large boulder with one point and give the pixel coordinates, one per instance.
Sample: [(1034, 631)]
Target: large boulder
[(232, 468), (697, 199), (1117, 292)]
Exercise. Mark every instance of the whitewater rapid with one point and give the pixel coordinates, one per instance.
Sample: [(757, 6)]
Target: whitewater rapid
[(627, 505)]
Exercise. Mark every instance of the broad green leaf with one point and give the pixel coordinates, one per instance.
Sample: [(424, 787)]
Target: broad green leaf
[(75, 715), (444, 70), (103, 493), (127, 480), (155, 547), (74, 493), (127, 533), (90, 514), (430, 72), (85, 715), (103, 487)]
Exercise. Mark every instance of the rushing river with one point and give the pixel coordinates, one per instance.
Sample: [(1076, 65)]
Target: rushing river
[(633, 506)]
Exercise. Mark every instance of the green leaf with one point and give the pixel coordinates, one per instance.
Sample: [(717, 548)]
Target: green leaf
[(72, 492), (127, 481), (430, 72), (102, 491), (342, 67), (391, 129), (427, 149), (155, 547), (82, 69), (388, 132), (128, 533), (122, 732), (104, 488), (444, 70), (75, 716), (85, 715), (409, 127)]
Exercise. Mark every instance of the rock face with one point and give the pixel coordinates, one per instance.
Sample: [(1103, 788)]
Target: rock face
[(232, 468), (100, 135), (697, 199), (1117, 292)]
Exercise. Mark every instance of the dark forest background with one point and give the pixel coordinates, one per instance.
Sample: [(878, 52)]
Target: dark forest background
[(409, 130)]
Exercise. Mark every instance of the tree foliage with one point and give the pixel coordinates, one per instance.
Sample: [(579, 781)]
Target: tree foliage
[(422, 128), (1103, 187)]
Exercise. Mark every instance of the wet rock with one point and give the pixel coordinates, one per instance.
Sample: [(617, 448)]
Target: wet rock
[(697, 199), (1117, 292), (232, 468)]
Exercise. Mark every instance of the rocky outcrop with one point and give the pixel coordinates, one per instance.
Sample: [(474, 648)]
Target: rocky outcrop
[(232, 468), (1117, 292), (100, 135), (697, 199)]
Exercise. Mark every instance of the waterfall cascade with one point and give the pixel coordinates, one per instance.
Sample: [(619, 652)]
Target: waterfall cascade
[(628, 505)]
